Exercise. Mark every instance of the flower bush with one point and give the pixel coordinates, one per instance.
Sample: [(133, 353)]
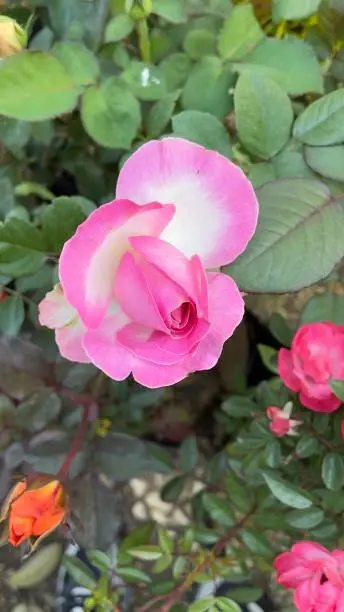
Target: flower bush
[(166, 163)]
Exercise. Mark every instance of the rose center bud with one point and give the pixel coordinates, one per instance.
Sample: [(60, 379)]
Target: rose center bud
[(182, 320)]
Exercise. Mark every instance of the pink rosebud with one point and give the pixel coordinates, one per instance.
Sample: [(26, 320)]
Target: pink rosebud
[(316, 576), (342, 429), (281, 423), (316, 356), (136, 279)]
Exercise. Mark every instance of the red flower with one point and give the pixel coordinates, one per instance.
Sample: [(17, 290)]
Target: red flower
[(316, 356), (316, 575)]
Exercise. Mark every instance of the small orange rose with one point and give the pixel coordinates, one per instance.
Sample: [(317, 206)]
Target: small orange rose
[(34, 509)]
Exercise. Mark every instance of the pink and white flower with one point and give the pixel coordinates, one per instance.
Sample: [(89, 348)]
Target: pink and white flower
[(138, 275), (281, 423)]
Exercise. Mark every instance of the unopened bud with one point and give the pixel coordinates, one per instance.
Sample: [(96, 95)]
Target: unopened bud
[(12, 37), (138, 9)]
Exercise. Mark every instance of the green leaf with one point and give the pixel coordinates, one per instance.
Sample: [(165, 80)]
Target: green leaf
[(257, 543), (173, 489), (110, 114), (263, 115), (14, 134), (35, 86), (7, 201), (179, 567), (326, 531), (322, 123), (238, 493), (121, 456), (337, 387), (12, 315), (137, 537), (273, 453), (100, 559), (80, 572), (37, 568), (326, 307), (21, 248), (293, 9), (207, 88), (238, 406), (280, 329), (199, 43), (218, 509), (292, 63), (60, 221), (332, 471), (162, 564), (165, 540), (78, 61), (327, 161), (269, 357), (176, 69), (132, 574), (240, 34), (305, 519), (246, 594), (203, 605), (27, 188), (204, 129), (296, 215), (291, 164), (160, 114), (118, 28), (226, 605), (146, 552), (188, 454), (262, 173), (40, 409), (285, 492), (170, 10), (146, 81), (79, 20)]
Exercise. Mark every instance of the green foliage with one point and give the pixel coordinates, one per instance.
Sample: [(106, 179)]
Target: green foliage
[(98, 79), (271, 261), (259, 101), (36, 86), (322, 122), (110, 114), (240, 33)]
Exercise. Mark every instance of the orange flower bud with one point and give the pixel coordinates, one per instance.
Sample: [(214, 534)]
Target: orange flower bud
[(34, 509)]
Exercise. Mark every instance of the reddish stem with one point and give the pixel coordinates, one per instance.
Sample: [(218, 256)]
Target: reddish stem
[(174, 596), (77, 442)]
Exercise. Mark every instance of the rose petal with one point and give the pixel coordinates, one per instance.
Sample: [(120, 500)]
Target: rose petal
[(285, 369), (90, 258), (69, 340), (154, 376), (168, 260), (54, 311), (134, 295), (216, 208), (105, 352), (160, 348), (226, 310), (329, 404)]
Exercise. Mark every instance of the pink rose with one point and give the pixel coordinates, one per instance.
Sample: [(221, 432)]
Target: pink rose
[(316, 357), (316, 575), (281, 423), (135, 277)]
